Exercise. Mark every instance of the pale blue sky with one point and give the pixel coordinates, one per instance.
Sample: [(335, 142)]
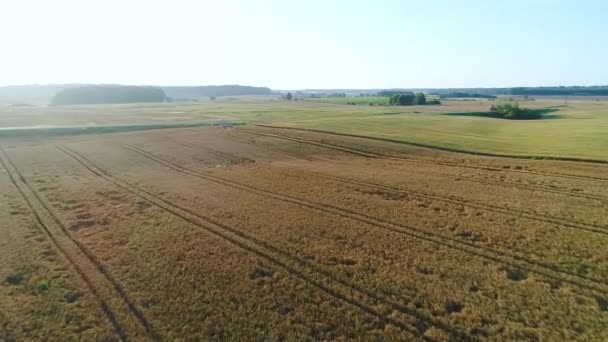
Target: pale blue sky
[(305, 44)]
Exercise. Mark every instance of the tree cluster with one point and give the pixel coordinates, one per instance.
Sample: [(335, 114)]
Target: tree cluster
[(408, 99), (513, 111)]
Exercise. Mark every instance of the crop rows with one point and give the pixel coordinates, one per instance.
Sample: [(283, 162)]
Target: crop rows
[(335, 286), (548, 270), (531, 215), (461, 201)]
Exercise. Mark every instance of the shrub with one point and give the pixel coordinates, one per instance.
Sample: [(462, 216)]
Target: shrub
[(42, 286), (14, 279)]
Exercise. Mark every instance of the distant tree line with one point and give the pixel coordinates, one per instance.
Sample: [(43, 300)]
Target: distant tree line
[(466, 95), (515, 91), (322, 95), (101, 94), (391, 93), (563, 91), (214, 91)]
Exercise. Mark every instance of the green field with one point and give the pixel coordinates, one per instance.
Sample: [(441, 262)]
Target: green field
[(574, 129)]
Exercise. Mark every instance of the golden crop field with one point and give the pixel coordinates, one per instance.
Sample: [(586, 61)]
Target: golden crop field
[(250, 232)]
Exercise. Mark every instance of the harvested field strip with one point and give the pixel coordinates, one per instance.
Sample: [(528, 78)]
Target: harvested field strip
[(78, 262), (507, 258), (566, 175), (369, 154), (226, 156), (329, 283), (600, 229)]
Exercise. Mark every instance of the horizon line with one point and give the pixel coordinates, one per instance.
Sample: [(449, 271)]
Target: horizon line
[(299, 89)]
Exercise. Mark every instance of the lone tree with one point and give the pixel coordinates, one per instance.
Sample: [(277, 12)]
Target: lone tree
[(406, 99), (289, 96), (394, 99), (419, 99)]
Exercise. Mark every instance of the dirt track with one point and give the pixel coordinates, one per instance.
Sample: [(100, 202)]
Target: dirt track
[(249, 232)]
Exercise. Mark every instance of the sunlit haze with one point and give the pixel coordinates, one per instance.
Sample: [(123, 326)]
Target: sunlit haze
[(305, 44)]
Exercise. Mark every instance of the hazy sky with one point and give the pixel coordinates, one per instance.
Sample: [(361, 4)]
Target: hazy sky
[(305, 43)]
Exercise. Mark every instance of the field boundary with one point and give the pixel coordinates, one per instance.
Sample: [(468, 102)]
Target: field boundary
[(446, 149), (371, 154), (503, 183), (108, 129)]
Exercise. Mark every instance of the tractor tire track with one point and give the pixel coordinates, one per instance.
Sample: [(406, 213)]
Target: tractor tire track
[(274, 149), (368, 154), (490, 168), (347, 292), (103, 269), (503, 257), (356, 152), (77, 262), (531, 215), (226, 156), (594, 228)]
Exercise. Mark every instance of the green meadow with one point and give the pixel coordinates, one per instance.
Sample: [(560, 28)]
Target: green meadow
[(574, 128)]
